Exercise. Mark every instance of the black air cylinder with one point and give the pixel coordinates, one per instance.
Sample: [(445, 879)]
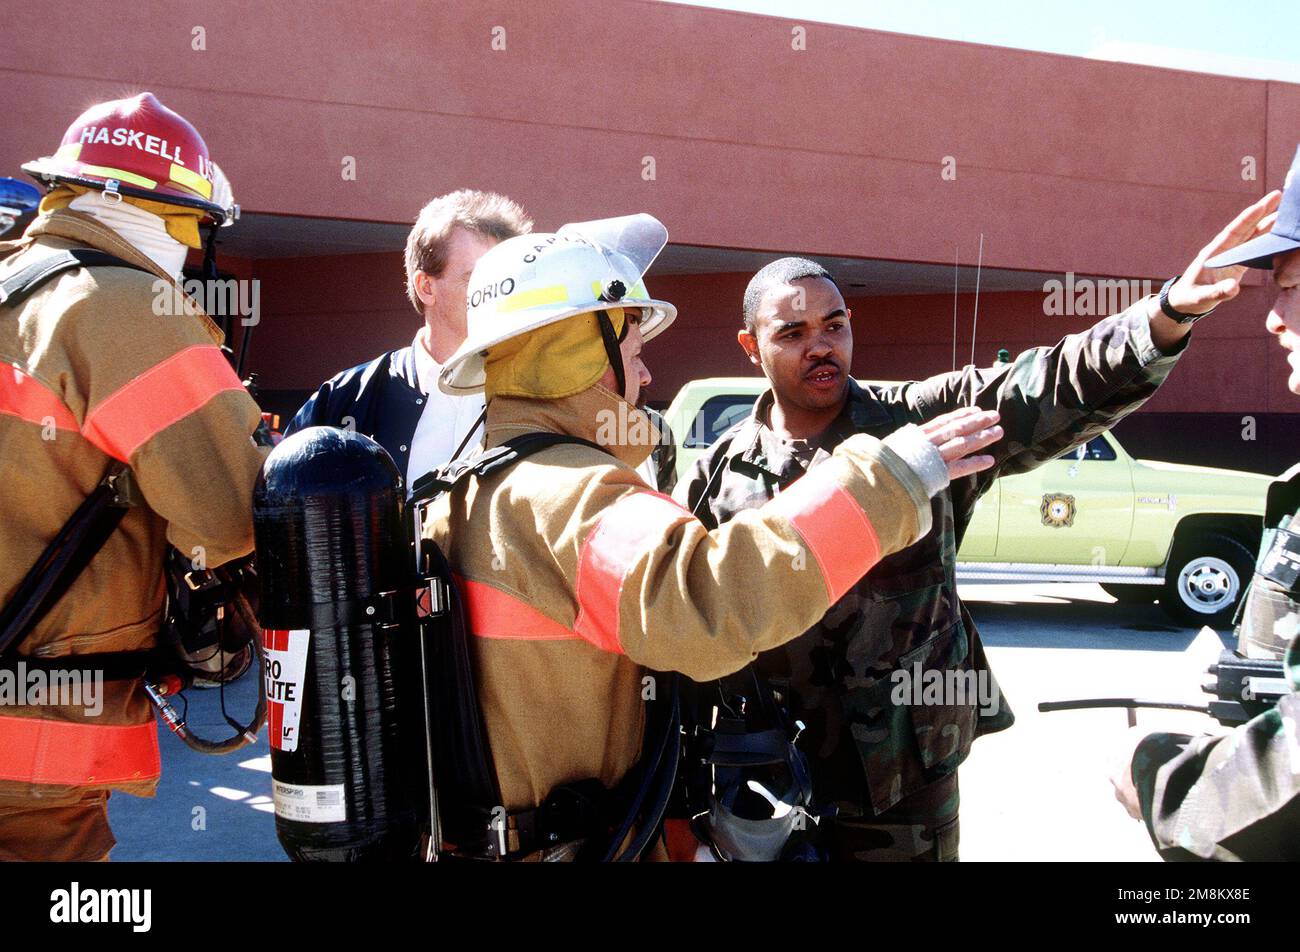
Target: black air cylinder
[(329, 524)]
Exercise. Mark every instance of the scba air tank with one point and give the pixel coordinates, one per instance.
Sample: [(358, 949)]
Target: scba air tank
[(343, 702)]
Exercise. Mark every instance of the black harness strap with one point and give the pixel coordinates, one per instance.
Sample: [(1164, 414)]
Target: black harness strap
[(19, 285), (462, 756), (71, 550), (89, 527), (491, 461), (582, 810), (111, 665)]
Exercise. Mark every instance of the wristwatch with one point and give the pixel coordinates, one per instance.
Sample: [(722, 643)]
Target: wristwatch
[(1178, 316)]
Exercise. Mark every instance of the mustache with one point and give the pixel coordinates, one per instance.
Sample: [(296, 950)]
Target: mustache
[(824, 365)]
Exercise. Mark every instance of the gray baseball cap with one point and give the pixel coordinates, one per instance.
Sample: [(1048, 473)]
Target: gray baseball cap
[(1285, 236)]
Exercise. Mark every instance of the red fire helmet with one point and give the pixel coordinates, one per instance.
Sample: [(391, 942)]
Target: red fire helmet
[(138, 147)]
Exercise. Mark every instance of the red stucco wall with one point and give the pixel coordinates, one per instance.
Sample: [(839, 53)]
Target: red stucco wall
[(1064, 164), (314, 323)]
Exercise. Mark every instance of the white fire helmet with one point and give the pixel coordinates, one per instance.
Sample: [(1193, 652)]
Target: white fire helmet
[(535, 280)]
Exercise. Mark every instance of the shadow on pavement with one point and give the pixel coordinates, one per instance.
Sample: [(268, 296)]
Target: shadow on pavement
[(1081, 623), (207, 807)]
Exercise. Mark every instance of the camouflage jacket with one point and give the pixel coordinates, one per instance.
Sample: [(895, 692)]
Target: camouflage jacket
[(1237, 797), (1232, 797), (903, 619)]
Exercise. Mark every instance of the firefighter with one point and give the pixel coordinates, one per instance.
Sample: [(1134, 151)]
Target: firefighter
[(103, 374), (578, 579)]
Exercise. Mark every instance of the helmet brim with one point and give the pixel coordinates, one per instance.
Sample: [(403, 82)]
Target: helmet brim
[(49, 171)]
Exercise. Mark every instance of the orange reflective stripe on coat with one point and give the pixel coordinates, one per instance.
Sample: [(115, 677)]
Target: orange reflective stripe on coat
[(75, 753), (492, 613), (23, 396), (833, 526), (157, 398), (625, 531)]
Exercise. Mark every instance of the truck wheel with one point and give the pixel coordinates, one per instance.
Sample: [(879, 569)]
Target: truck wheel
[(1131, 594), (1205, 579)]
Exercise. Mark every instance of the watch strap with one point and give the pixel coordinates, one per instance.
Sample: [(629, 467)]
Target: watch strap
[(1175, 314)]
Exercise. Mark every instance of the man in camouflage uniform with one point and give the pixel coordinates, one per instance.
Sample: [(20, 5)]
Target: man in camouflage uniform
[(1237, 796), (890, 768)]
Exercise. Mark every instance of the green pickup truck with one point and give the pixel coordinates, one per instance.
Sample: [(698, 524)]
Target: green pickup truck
[(1147, 531)]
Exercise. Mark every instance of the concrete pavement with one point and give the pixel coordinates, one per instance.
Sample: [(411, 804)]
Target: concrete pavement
[(1038, 791)]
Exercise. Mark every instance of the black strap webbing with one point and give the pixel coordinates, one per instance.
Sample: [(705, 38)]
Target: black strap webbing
[(85, 533), (111, 665), (1283, 497), (499, 457), (22, 283), (581, 810), (68, 553)]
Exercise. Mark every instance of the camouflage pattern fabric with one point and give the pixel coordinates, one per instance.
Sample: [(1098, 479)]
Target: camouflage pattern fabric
[(923, 827), (867, 751), (1237, 797), (1269, 617), (1234, 797)]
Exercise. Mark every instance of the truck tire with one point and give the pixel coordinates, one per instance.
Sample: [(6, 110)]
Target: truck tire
[(1131, 594), (1206, 577)]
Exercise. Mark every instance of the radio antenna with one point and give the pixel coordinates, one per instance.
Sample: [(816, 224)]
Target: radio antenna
[(975, 323), (955, 255)]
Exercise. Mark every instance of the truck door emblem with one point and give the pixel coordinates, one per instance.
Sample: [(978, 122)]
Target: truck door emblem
[(1057, 510)]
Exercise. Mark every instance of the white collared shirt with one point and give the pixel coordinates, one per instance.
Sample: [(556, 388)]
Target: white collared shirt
[(444, 421)]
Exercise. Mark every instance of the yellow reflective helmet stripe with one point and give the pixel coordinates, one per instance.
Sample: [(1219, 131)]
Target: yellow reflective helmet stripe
[(178, 173), (537, 297), (129, 177), (191, 180)]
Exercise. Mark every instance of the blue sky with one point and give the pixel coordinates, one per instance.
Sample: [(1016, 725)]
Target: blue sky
[(1258, 38)]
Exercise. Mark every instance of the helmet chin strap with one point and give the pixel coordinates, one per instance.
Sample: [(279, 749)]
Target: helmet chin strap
[(612, 350), (210, 254)]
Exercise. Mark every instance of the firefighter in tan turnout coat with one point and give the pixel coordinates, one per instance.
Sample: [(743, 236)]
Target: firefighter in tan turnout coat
[(95, 377), (576, 576)]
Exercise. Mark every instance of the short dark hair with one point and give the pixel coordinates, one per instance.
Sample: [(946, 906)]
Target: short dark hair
[(779, 272)]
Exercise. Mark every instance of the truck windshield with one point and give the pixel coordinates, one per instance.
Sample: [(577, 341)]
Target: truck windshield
[(718, 415)]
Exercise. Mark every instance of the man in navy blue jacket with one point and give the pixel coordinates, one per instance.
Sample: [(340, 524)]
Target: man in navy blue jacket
[(394, 399)]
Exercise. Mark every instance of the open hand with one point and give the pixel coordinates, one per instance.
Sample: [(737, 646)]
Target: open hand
[(960, 433), (1200, 289)]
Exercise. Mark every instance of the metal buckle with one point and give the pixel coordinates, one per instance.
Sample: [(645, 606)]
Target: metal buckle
[(388, 601), (432, 599), (124, 489)]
